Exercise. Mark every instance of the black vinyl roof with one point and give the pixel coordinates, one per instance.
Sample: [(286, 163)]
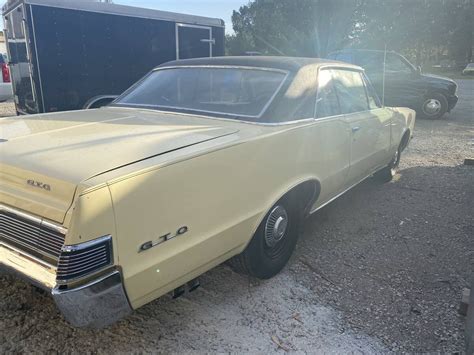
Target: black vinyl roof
[(292, 64)]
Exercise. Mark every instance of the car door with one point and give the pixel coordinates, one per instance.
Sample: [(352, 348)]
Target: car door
[(331, 138), (403, 86), (382, 124), (365, 126), (396, 82)]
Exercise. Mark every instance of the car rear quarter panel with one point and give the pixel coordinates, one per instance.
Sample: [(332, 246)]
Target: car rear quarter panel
[(403, 120), (221, 197)]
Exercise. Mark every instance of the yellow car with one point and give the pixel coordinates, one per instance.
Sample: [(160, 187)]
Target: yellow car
[(201, 161)]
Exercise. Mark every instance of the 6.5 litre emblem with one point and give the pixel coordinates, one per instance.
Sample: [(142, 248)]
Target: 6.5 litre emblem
[(39, 185), (153, 243)]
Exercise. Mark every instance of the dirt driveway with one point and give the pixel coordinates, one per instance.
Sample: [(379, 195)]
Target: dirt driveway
[(381, 268)]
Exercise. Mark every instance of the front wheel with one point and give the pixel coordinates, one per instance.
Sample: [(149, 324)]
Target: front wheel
[(434, 106), (272, 244)]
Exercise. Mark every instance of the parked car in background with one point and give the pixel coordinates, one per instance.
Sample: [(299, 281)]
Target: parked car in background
[(68, 55), (469, 70), (430, 95), (6, 92), (200, 161)]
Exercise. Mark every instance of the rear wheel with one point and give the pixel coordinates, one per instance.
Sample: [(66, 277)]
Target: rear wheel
[(434, 106), (387, 173), (272, 244)]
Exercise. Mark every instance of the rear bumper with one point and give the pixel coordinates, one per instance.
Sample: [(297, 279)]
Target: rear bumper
[(96, 304)]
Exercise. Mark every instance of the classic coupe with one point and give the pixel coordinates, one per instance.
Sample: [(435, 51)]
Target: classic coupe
[(201, 161)]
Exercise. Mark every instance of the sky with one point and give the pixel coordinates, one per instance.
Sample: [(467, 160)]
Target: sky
[(210, 8)]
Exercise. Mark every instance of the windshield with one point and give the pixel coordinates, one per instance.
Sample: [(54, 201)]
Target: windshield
[(238, 92)]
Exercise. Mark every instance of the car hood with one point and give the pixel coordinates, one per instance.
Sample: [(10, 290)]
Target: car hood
[(437, 79), (43, 158)]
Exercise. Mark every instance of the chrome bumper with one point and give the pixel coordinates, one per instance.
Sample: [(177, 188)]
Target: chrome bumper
[(95, 304)]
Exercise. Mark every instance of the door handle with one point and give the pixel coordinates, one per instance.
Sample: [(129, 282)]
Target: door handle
[(355, 129)]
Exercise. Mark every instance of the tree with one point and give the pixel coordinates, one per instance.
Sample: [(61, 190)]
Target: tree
[(289, 27), (424, 30)]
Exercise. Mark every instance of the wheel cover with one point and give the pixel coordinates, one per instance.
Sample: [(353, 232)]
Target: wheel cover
[(432, 107), (276, 226)]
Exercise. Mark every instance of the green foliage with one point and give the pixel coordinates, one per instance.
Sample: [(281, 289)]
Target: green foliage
[(425, 30)]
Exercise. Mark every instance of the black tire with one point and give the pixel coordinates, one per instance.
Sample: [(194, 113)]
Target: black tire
[(434, 106), (386, 174), (266, 255)]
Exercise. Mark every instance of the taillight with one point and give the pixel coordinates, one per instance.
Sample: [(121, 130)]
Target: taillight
[(5, 73)]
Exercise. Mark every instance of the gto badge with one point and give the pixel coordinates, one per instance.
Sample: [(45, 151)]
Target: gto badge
[(153, 243), (39, 185)]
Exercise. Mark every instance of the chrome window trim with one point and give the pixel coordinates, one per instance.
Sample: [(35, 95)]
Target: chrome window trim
[(270, 124), (34, 219), (264, 109), (341, 67)]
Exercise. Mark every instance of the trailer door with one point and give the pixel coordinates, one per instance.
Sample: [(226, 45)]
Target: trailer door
[(19, 60), (193, 41)]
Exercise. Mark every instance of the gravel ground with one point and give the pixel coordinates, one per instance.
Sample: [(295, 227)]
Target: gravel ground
[(380, 269)]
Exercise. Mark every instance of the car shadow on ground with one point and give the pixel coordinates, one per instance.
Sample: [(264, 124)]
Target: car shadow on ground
[(392, 259), (395, 257)]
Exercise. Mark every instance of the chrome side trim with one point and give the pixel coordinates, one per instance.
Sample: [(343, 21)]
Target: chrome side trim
[(96, 304)]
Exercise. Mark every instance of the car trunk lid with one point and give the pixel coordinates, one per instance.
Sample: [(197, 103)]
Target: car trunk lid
[(43, 158)]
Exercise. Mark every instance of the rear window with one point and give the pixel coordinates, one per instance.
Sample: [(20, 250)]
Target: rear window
[(226, 91)]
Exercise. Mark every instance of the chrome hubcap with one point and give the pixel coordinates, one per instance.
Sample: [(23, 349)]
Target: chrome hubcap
[(432, 107), (275, 228)]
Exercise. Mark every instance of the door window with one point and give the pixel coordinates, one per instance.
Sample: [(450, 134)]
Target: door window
[(374, 101), (327, 103), (395, 64), (350, 90)]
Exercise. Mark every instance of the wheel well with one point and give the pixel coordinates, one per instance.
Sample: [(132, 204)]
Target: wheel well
[(405, 140), (304, 195)]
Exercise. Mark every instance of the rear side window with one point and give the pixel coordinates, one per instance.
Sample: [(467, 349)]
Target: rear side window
[(327, 103), (351, 91)]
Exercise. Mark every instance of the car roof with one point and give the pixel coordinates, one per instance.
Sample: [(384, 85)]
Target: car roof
[(292, 64)]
